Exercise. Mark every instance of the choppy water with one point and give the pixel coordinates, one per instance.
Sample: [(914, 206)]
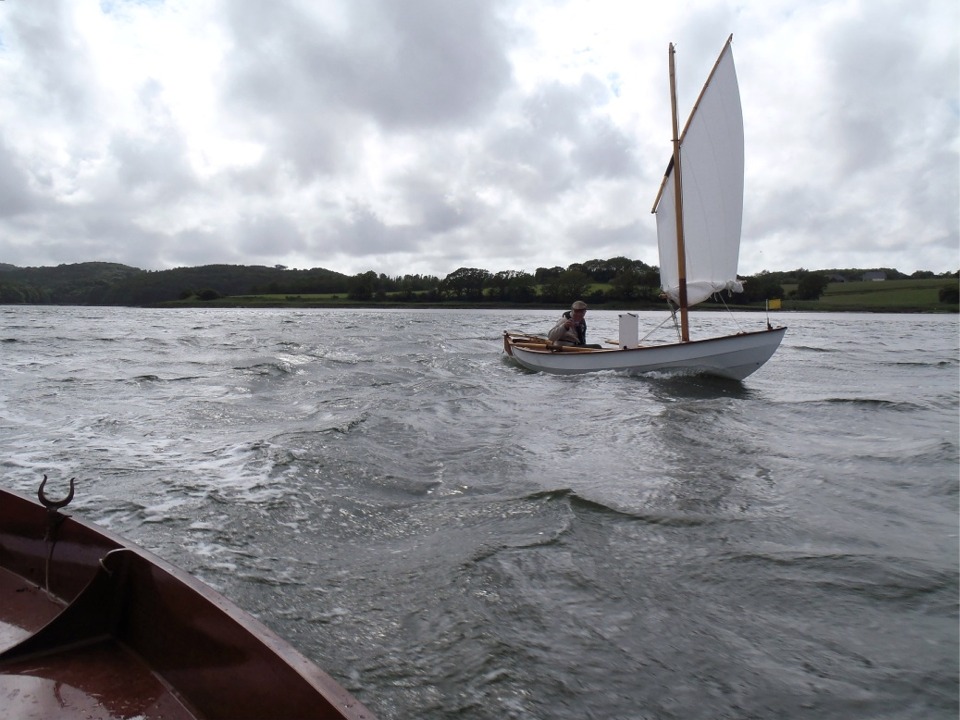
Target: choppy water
[(453, 537)]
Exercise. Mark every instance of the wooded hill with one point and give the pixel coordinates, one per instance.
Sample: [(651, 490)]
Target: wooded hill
[(98, 283), (619, 282)]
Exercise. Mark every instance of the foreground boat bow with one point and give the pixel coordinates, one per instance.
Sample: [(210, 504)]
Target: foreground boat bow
[(94, 627)]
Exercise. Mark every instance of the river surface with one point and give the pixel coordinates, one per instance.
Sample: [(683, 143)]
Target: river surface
[(451, 536)]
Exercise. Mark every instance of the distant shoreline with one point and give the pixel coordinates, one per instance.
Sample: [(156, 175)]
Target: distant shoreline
[(111, 285), (787, 306)]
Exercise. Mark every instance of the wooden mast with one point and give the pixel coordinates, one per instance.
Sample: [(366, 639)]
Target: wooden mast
[(678, 205)]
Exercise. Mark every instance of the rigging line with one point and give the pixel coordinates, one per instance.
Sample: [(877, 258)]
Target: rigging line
[(719, 296), (662, 323), (676, 324)]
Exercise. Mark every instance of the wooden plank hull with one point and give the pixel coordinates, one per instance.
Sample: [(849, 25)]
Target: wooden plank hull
[(731, 356), (92, 626)]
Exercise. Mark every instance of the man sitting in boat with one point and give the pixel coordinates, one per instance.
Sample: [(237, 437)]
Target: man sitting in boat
[(571, 329)]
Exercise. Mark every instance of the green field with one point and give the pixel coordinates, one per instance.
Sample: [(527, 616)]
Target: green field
[(877, 296)]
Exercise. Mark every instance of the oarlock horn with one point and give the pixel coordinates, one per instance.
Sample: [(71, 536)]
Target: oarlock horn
[(54, 505)]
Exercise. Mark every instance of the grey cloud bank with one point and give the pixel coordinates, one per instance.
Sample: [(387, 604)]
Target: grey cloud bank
[(423, 136)]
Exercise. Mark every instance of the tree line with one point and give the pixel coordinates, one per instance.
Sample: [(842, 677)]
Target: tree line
[(617, 279), (626, 279)]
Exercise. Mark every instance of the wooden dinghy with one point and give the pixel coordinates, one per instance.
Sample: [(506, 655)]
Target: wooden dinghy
[(734, 356), (699, 221), (92, 626)]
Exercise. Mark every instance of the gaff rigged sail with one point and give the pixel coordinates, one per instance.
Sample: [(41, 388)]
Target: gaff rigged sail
[(711, 162)]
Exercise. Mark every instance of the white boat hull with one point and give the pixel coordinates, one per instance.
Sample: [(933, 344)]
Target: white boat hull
[(731, 356)]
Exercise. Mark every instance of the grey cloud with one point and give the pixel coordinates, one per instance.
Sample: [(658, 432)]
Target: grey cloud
[(417, 64), (604, 151), (442, 62), (866, 62), (559, 109), (563, 144), (269, 237), (567, 113), (56, 54), (151, 169), (439, 211), (606, 242), (363, 232), (15, 196), (535, 167), (197, 247), (94, 232), (276, 85), (851, 146)]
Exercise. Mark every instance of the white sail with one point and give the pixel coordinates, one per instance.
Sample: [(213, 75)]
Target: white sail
[(711, 162)]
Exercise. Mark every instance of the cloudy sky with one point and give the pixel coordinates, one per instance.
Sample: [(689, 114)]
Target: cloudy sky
[(419, 136)]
